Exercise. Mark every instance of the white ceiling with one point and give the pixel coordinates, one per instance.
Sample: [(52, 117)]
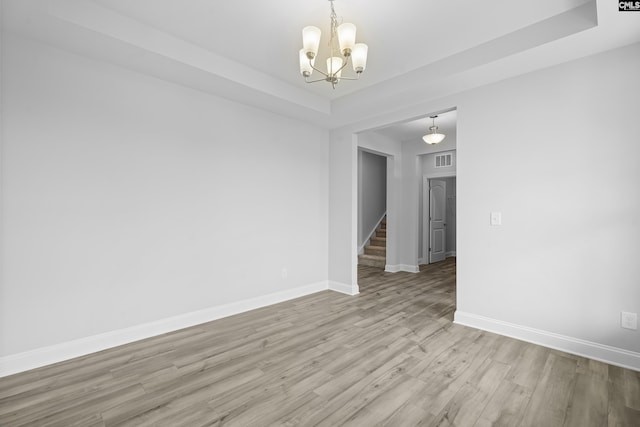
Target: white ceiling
[(246, 50), (415, 129), (402, 35)]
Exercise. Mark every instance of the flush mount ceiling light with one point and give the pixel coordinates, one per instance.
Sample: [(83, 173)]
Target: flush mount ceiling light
[(434, 137), (339, 53)]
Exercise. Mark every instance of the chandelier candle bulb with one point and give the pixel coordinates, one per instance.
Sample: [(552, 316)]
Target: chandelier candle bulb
[(346, 38), (334, 65), (311, 40), (359, 57)]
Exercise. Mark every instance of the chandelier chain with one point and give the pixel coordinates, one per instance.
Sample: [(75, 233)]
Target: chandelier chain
[(334, 25)]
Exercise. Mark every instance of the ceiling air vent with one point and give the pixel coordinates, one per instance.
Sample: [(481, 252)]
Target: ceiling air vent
[(443, 160)]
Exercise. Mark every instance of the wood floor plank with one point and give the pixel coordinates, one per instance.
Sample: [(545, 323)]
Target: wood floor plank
[(506, 407), (394, 399), (624, 398), (589, 404), (390, 356), (471, 399), (408, 415), (528, 366), (550, 399)]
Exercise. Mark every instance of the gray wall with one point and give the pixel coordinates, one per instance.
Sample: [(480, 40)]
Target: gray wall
[(372, 192), (451, 215)]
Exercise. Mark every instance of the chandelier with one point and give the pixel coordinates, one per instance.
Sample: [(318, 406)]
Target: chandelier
[(434, 137), (338, 55)]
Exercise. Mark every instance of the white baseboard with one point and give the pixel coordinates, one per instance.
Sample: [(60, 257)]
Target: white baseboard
[(422, 261), (344, 288), (401, 267), (450, 253), (20, 362), (604, 353)]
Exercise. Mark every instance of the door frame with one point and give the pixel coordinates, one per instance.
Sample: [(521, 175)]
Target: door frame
[(426, 226)]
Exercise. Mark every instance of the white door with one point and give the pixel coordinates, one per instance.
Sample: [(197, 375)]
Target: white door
[(437, 217)]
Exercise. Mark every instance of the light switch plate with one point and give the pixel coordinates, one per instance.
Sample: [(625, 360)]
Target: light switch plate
[(629, 320), (496, 218)]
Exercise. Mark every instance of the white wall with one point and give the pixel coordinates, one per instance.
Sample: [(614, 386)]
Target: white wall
[(127, 199), (556, 151), (372, 193), (429, 166), (343, 210)]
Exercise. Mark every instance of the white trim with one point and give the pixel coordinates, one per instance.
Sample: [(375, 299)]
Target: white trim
[(423, 261), (343, 288), (401, 267), (441, 174), (604, 353), (20, 362), (366, 242), (426, 223)]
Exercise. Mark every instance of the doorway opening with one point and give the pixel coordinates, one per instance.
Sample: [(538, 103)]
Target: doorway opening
[(409, 160), (372, 209)]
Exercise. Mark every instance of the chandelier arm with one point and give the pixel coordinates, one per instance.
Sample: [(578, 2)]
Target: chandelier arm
[(344, 64), (318, 70), (314, 81), (350, 78)]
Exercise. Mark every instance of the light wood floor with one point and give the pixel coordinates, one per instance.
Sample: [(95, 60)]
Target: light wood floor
[(390, 356)]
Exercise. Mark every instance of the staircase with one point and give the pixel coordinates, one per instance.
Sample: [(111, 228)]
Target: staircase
[(375, 253)]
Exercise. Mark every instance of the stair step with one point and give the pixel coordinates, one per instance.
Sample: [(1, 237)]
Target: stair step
[(372, 260), (375, 250), (381, 233), (379, 241)]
